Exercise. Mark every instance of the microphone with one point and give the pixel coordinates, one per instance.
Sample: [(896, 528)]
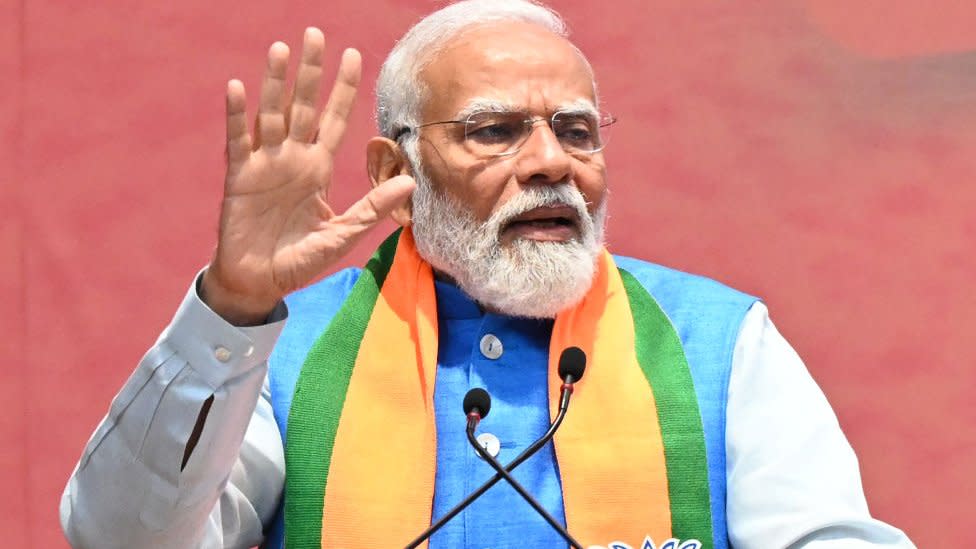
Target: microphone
[(572, 364), (480, 404), (476, 405)]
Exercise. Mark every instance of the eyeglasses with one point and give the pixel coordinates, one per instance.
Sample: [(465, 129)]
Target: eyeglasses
[(501, 133)]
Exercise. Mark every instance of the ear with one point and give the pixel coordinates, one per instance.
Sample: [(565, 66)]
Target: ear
[(385, 160)]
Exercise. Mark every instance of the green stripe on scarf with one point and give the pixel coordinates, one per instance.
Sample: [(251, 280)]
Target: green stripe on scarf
[(663, 361), (313, 420)]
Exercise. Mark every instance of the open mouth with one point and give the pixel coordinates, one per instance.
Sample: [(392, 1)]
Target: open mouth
[(545, 223)]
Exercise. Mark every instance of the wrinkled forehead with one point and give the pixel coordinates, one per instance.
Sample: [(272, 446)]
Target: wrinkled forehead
[(510, 66)]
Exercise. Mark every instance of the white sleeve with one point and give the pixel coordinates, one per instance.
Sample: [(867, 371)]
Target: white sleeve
[(128, 489), (793, 479)]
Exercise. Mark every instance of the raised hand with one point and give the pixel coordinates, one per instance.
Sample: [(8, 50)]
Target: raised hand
[(277, 231)]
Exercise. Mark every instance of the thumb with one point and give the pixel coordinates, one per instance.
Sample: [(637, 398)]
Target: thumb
[(378, 203)]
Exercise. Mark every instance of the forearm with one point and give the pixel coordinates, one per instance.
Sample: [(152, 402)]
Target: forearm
[(131, 489)]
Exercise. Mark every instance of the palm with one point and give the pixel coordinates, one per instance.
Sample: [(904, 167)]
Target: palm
[(277, 231), (275, 210)]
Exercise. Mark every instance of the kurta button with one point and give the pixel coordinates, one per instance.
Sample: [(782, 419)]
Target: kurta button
[(491, 346), (490, 443), (222, 354)]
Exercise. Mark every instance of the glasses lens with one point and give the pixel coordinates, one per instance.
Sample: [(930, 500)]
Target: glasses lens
[(495, 133), (582, 133)]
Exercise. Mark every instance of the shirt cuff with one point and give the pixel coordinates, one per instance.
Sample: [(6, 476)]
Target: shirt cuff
[(217, 350)]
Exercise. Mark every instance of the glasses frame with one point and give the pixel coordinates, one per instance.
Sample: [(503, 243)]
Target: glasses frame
[(604, 120)]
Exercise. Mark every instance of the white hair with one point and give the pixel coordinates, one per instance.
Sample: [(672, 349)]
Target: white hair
[(399, 90)]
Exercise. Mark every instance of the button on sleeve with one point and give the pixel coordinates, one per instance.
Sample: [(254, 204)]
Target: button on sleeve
[(216, 349)]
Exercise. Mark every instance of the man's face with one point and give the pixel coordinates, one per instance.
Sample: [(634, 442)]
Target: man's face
[(519, 232), (527, 69)]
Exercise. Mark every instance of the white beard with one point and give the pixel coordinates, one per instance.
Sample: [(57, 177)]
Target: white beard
[(526, 278)]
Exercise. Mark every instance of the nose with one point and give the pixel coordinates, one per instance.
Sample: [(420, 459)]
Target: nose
[(542, 158)]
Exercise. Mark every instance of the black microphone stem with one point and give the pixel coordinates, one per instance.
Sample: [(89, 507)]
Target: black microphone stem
[(518, 487), (567, 391)]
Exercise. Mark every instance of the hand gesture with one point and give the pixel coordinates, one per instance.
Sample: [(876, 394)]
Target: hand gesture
[(277, 230)]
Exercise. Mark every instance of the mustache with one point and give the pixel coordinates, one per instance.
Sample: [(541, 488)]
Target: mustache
[(539, 197)]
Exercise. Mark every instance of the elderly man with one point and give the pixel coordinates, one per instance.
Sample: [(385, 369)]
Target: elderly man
[(695, 424)]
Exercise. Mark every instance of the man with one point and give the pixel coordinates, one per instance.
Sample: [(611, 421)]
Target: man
[(694, 425)]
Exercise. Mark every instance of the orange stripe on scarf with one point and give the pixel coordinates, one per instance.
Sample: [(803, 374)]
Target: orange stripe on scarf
[(381, 481), (609, 448)]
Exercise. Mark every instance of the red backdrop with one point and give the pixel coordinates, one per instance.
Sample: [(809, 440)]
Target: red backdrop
[(818, 154)]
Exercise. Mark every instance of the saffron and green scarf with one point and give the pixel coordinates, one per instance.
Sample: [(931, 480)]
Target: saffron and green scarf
[(631, 450)]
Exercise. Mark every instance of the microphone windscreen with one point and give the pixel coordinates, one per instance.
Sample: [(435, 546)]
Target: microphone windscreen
[(572, 363), (477, 398)]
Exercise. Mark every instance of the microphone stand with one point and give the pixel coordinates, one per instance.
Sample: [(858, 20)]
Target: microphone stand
[(473, 420), (567, 391)]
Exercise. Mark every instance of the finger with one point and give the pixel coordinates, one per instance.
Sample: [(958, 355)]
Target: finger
[(306, 93), (271, 120), (377, 204), (333, 124), (238, 140)]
